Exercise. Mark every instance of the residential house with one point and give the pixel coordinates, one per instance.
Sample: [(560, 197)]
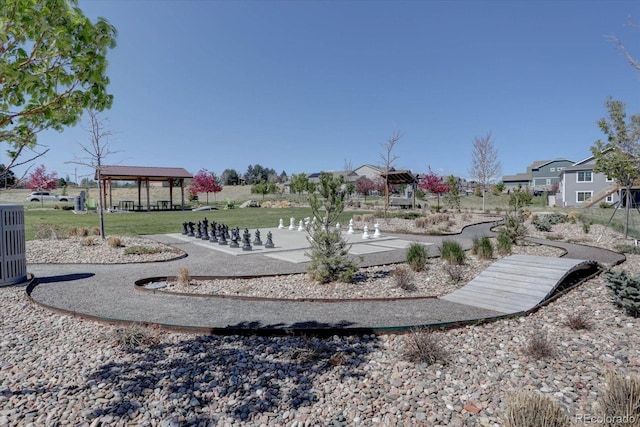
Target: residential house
[(541, 175), (580, 186)]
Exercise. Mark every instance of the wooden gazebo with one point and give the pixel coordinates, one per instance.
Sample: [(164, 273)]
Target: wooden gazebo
[(399, 177), (143, 174)]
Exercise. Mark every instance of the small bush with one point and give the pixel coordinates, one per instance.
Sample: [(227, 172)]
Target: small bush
[(114, 242), (542, 224), (514, 228), (408, 215), (539, 347), (312, 349), (455, 272), (329, 258), (504, 245), (586, 227), (629, 249), (141, 250), (184, 278), (72, 230), (135, 336), (532, 409), (95, 231), (573, 216), (88, 241), (83, 232), (620, 401), (578, 321), (482, 247), (417, 256), (404, 278), (424, 346), (452, 252)]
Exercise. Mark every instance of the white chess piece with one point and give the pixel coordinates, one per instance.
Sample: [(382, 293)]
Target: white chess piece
[(338, 227), (350, 231), (281, 224), (377, 232), (366, 235), (292, 223), (300, 226)]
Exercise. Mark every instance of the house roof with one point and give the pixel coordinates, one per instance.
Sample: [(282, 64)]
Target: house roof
[(516, 177), (132, 173)]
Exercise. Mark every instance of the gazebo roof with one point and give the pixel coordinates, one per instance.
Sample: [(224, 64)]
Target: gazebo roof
[(400, 177), (133, 173)]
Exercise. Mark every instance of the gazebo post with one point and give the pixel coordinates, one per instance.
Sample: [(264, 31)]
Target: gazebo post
[(139, 193), (146, 181), (170, 193)]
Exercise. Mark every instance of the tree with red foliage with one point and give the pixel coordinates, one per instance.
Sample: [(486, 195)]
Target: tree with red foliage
[(205, 182), (433, 184), (40, 180), (365, 186)]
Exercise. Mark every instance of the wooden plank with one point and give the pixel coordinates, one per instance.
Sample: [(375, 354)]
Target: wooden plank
[(516, 283)]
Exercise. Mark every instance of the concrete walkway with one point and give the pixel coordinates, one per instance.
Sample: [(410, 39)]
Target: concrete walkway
[(107, 292)]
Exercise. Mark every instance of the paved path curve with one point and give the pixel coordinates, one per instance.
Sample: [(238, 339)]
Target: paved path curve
[(106, 292)]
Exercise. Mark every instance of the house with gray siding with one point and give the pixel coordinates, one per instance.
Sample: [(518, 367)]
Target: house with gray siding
[(580, 186), (541, 175)]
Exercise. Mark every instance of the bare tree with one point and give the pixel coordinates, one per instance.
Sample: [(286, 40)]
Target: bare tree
[(388, 161), (485, 166), (95, 153), (628, 56)]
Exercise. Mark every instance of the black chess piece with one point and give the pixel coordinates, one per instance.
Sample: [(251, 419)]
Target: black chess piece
[(234, 238), (269, 244), (256, 240), (184, 228), (199, 230), (191, 227), (205, 229), (222, 239), (213, 237), (246, 240)]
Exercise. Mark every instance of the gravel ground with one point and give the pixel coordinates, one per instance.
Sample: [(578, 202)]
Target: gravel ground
[(61, 371)]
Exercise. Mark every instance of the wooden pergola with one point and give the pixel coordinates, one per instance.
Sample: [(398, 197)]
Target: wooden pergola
[(399, 177), (142, 174)]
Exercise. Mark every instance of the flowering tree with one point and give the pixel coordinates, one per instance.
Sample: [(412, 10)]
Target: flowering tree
[(433, 184), (365, 186), (39, 179), (204, 182)]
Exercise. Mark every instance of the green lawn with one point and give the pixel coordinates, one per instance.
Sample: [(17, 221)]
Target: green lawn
[(165, 222)]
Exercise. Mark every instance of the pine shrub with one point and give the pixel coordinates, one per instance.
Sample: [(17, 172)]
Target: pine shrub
[(514, 228), (504, 245), (417, 256), (329, 258), (626, 291)]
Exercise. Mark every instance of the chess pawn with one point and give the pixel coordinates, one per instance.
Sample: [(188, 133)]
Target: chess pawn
[(300, 226), (377, 232), (338, 227), (350, 230), (366, 235), (222, 240), (292, 223), (269, 244), (199, 230), (281, 224), (256, 240), (205, 230)]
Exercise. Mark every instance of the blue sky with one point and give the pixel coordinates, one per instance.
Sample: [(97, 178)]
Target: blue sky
[(304, 86)]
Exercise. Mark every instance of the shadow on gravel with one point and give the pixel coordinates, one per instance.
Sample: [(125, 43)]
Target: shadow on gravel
[(64, 278), (206, 377)]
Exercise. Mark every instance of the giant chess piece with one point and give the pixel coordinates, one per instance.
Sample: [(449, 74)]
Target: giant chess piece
[(234, 238), (281, 224), (191, 227), (292, 223), (199, 230), (337, 228), (184, 228), (246, 240), (350, 230), (366, 235), (213, 237), (269, 244), (377, 232), (222, 237), (205, 229), (256, 240), (301, 226)]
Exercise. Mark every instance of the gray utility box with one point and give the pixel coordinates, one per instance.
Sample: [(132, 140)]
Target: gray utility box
[(13, 255)]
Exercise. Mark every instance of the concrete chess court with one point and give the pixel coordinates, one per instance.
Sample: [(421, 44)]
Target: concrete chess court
[(291, 245)]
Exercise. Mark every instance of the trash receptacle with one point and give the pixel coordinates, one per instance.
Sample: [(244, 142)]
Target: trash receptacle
[(13, 255), (77, 204)]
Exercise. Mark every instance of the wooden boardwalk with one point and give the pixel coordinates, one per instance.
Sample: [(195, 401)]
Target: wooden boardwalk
[(516, 283)]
